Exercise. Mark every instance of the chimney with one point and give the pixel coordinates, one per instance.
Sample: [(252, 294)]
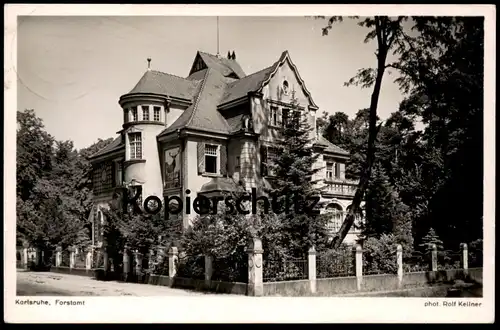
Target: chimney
[(149, 64), (228, 55), (233, 56)]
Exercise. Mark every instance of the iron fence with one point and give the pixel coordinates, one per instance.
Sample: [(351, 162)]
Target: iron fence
[(80, 260), (417, 262), (289, 269), (475, 258), (336, 263), (449, 259), (65, 258), (231, 269), (191, 267)]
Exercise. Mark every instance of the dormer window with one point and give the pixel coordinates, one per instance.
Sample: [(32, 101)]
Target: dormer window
[(145, 112), (156, 113), (134, 114)]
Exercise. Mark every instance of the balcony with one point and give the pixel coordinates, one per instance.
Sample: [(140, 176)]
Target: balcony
[(339, 187)]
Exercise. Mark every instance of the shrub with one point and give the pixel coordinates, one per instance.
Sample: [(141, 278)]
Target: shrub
[(379, 254)]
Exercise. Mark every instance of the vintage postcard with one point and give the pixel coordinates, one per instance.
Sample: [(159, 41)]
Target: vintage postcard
[(249, 163)]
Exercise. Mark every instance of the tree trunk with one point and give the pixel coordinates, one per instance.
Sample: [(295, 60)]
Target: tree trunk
[(372, 136)]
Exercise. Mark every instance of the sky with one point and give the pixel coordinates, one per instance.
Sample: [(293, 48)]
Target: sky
[(73, 69)]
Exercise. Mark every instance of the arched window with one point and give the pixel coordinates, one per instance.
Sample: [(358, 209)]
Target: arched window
[(358, 218), (337, 216)]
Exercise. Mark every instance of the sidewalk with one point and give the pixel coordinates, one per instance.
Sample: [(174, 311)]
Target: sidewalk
[(65, 284)]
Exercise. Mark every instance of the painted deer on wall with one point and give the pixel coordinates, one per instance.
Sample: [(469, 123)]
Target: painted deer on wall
[(169, 168)]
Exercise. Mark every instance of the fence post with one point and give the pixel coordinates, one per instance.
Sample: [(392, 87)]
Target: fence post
[(138, 265), (311, 268), (399, 254), (88, 258), (25, 255), (465, 258), (173, 257), (58, 256), (434, 258), (359, 266), (126, 263), (208, 270), (72, 256), (255, 286)]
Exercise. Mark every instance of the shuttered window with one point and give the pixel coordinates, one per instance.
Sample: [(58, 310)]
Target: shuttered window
[(212, 158)]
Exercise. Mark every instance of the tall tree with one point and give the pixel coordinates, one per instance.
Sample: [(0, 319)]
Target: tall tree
[(385, 31), (293, 170)]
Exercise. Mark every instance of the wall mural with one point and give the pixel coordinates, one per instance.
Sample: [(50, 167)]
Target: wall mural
[(172, 168)]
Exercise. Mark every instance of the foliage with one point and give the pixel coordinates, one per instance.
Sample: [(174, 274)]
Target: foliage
[(292, 182), (336, 262), (49, 187), (431, 239), (379, 254), (425, 173)]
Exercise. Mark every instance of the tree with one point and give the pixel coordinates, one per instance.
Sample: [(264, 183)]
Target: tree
[(385, 31), (293, 170), (431, 239)]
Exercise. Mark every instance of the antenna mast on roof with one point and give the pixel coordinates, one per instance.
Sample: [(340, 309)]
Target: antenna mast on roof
[(218, 55)]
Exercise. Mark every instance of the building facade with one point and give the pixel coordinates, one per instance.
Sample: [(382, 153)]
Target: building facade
[(212, 132)]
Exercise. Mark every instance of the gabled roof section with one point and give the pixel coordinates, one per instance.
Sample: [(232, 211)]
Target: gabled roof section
[(240, 88), (256, 81), (330, 147), (115, 145), (203, 114), (156, 82), (224, 66)]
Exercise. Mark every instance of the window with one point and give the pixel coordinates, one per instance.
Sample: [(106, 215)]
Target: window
[(337, 216), (145, 112), (284, 117), (273, 116), (237, 162), (135, 142), (210, 158), (156, 113), (285, 87), (337, 170), (268, 156), (358, 219), (134, 114), (119, 173), (329, 171)]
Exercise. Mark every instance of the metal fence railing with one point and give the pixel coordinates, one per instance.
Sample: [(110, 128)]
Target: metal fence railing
[(191, 267), (230, 270), (475, 257), (80, 260), (289, 269), (449, 259), (65, 258), (336, 263), (417, 262)]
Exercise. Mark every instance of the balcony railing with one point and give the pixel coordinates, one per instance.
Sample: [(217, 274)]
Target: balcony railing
[(340, 187)]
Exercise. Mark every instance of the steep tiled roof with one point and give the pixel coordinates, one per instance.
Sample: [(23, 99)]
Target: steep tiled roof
[(250, 83), (223, 65), (203, 114), (330, 147), (115, 145), (166, 84)]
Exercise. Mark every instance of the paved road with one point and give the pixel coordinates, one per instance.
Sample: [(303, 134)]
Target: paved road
[(52, 284)]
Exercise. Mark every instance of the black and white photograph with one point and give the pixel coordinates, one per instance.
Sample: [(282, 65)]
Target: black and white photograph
[(223, 156)]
